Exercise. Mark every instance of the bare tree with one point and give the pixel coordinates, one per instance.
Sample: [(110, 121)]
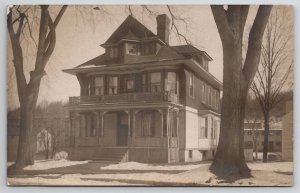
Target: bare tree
[(237, 78), (253, 118), (275, 67), (18, 23)]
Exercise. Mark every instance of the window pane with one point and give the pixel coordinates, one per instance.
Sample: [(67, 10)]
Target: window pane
[(171, 77), (129, 84), (98, 81), (113, 81), (191, 85), (156, 77), (133, 49), (171, 82)]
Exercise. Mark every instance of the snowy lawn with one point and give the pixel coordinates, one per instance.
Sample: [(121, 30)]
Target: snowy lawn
[(143, 166), (49, 164), (133, 173)]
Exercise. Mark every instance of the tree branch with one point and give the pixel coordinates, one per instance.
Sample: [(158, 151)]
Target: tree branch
[(220, 17), (255, 42)]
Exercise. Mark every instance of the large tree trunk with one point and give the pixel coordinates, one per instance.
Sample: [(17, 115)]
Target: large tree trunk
[(266, 137), (25, 154), (237, 78), (229, 159)]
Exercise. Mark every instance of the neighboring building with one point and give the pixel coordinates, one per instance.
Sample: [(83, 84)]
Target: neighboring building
[(144, 100), (287, 133), (56, 130), (257, 128)]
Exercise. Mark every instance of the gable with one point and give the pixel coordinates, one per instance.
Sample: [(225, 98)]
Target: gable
[(130, 27)]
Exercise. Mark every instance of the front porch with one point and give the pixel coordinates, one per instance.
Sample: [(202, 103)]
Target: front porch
[(143, 135)]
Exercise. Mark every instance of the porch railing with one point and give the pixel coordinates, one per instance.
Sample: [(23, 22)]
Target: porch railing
[(125, 97)]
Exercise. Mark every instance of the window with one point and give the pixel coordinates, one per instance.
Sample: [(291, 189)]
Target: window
[(212, 128), (191, 85), (209, 95), (171, 82), (148, 123), (113, 85), (90, 129), (278, 143), (133, 49), (249, 133), (130, 84), (217, 99), (155, 82), (144, 82), (203, 92), (203, 133), (99, 86), (190, 153), (113, 52)]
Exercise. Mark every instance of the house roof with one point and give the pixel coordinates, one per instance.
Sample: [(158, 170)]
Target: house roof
[(130, 28), (164, 53), (189, 49)]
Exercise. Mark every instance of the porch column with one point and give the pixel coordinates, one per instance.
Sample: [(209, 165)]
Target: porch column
[(132, 126), (82, 125), (101, 127), (72, 129), (166, 122), (75, 122)]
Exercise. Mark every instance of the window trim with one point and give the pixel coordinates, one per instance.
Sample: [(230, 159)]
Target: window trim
[(191, 85)]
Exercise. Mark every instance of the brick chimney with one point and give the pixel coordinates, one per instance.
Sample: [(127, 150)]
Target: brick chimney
[(163, 27)]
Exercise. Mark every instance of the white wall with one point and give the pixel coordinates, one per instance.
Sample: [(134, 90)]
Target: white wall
[(191, 125), (196, 155)]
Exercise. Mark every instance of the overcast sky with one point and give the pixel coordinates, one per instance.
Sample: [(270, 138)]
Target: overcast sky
[(82, 30)]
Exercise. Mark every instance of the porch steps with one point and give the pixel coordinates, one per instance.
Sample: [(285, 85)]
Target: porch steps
[(111, 155)]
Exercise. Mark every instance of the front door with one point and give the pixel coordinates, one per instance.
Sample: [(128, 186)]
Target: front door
[(122, 130)]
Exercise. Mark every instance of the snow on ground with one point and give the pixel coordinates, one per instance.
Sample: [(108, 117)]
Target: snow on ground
[(63, 180), (49, 164), (9, 163), (264, 174), (143, 166), (272, 166)]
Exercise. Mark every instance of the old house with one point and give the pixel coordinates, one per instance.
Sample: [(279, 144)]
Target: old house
[(145, 100)]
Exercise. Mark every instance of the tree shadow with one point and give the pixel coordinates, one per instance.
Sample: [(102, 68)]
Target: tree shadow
[(85, 168)]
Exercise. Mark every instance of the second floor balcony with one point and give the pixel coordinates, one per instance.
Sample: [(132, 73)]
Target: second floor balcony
[(164, 96)]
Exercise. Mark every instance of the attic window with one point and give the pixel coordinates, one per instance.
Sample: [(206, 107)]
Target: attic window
[(133, 49)]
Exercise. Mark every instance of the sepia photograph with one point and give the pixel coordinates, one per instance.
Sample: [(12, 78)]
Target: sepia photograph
[(150, 95)]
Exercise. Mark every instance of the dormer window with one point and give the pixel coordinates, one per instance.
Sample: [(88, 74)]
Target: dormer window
[(133, 49)]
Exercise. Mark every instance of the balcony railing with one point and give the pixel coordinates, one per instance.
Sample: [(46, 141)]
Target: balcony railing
[(125, 97)]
